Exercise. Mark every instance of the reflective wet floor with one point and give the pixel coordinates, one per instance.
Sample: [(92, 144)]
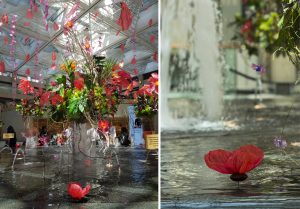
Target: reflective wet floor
[(42, 180), (188, 183)]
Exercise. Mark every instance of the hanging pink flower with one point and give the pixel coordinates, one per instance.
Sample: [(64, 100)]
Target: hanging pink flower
[(55, 26), (29, 14), (122, 47), (2, 67), (133, 61), (152, 38), (150, 22), (247, 26), (27, 57), (5, 40), (53, 56), (4, 19), (125, 18), (27, 72), (25, 87)]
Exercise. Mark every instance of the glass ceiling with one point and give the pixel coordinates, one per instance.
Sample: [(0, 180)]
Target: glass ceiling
[(43, 34)]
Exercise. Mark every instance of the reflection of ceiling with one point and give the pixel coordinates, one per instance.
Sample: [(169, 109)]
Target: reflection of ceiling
[(99, 16)]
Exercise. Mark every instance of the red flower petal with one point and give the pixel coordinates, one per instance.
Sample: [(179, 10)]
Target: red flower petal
[(125, 18)]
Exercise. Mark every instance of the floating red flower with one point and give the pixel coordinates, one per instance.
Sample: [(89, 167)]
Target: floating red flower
[(77, 192), (25, 86), (103, 125), (237, 162), (79, 84), (125, 18)]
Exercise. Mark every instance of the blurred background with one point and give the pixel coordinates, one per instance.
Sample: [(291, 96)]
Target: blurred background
[(208, 49)]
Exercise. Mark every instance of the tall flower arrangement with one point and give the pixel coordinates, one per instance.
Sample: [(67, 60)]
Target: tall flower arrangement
[(88, 89)]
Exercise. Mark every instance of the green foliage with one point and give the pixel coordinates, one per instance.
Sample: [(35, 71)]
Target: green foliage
[(289, 34)]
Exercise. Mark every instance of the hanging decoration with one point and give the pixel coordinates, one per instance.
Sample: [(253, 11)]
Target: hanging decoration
[(152, 38), (2, 66), (122, 47), (133, 61), (4, 19), (125, 18), (150, 22), (27, 72), (53, 57), (55, 26), (5, 40), (29, 14)]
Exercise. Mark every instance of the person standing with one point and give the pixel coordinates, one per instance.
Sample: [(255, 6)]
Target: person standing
[(12, 142)]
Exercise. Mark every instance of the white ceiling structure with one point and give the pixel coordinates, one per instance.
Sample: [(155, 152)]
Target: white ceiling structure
[(98, 18)]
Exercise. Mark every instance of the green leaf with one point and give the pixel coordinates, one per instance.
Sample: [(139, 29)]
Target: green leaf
[(81, 108), (280, 22)]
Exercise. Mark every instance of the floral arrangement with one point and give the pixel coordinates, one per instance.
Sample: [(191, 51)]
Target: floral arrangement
[(258, 26), (89, 90), (271, 25), (146, 102)]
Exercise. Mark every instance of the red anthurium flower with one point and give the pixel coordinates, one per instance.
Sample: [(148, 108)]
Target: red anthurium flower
[(4, 19), (133, 61), (103, 125), (152, 38), (2, 67), (27, 72), (56, 99), (79, 84), (53, 83), (237, 162), (76, 191), (26, 24), (55, 26), (5, 40), (122, 47), (125, 18), (45, 98), (124, 74), (27, 57), (155, 56), (25, 86), (150, 22), (53, 56), (29, 14), (247, 26), (18, 145)]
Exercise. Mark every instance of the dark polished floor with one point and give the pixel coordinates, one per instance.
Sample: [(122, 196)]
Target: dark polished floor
[(42, 181)]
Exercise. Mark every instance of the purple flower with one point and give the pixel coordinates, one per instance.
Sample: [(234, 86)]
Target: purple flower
[(280, 142), (258, 68)]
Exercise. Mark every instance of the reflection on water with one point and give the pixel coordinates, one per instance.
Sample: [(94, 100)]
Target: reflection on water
[(42, 181), (188, 183)]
